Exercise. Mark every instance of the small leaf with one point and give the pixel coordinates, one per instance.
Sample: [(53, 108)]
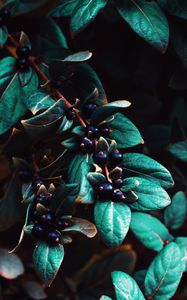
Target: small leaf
[(7, 71), (175, 213), (79, 56), (96, 178), (147, 20), (147, 167), (149, 231), (102, 145), (150, 195), (47, 261), (179, 150), (82, 226), (112, 220), (124, 132), (10, 265), (164, 273), (38, 100), (65, 125), (105, 298), (24, 40), (3, 35), (126, 287), (65, 8), (34, 290)]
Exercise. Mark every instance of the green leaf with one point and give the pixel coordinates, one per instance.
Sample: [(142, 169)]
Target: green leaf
[(77, 173), (147, 167), (66, 8), (102, 112), (81, 226), (177, 8), (149, 231), (179, 150), (78, 57), (65, 125), (7, 71), (175, 213), (25, 77), (84, 13), (10, 265), (126, 287), (102, 145), (124, 132), (112, 220), (26, 6), (3, 35), (181, 241), (164, 273), (150, 195), (147, 20), (38, 100), (105, 298), (139, 277), (47, 261), (96, 178)]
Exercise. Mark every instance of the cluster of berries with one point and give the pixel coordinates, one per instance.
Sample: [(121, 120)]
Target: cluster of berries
[(5, 15), (23, 58), (46, 226)]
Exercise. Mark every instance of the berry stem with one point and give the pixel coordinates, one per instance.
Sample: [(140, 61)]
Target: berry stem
[(107, 173)]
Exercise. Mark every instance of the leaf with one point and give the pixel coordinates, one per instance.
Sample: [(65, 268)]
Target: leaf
[(124, 132), (126, 287), (38, 100), (102, 112), (147, 167), (65, 125), (149, 231), (66, 8), (102, 145), (10, 265), (150, 195), (3, 35), (105, 298), (164, 273), (139, 277), (27, 6), (34, 290), (47, 261), (82, 226), (179, 150), (24, 40), (177, 8), (147, 20), (25, 77), (175, 213), (96, 178), (77, 173), (7, 71), (84, 13), (112, 220), (78, 57)]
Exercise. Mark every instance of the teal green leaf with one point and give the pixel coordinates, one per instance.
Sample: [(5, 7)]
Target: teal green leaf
[(38, 100), (147, 20), (65, 125), (78, 173), (105, 298), (126, 287), (177, 8), (139, 277), (84, 13), (164, 273), (175, 213), (81, 226), (65, 9), (144, 166), (181, 241), (149, 231), (3, 35), (179, 150), (102, 145), (150, 195), (130, 185), (25, 77), (96, 178), (7, 71), (124, 132), (112, 220), (70, 143), (47, 261), (108, 109), (29, 5), (78, 57)]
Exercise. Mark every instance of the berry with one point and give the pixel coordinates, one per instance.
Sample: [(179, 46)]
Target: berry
[(100, 158), (61, 224), (4, 16), (71, 114), (43, 199), (53, 237), (39, 231), (47, 218), (88, 109), (87, 145), (105, 191), (92, 132), (118, 195), (116, 157), (25, 175), (36, 215), (118, 183), (23, 52), (104, 131), (22, 64), (37, 183)]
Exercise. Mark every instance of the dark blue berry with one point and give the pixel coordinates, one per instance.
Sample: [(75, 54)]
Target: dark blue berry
[(92, 132), (118, 195), (116, 158), (88, 109), (100, 158), (43, 199), (23, 52), (39, 231), (25, 175), (105, 191), (87, 145), (22, 64), (36, 215), (53, 237), (118, 183), (37, 183), (47, 219), (104, 131), (61, 224), (71, 114)]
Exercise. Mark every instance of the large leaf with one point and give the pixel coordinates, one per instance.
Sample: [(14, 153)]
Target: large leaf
[(124, 132), (126, 287), (175, 213), (164, 273), (38, 100), (112, 220), (85, 12), (7, 67), (147, 167), (147, 20), (179, 150), (47, 261), (151, 196), (10, 265), (78, 173), (149, 231), (65, 8), (3, 35)]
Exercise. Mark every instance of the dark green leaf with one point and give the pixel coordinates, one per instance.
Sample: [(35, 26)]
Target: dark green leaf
[(25, 77), (149, 231), (139, 276), (96, 178), (81, 226), (143, 165), (7, 71), (112, 220), (124, 132), (175, 213), (102, 145), (65, 125), (29, 5), (147, 20), (177, 8), (66, 8), (38, 100), (3, 35), (164, 273), (78, 57), (10, 265), (179, 150), (47, 261), (126, 287)]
